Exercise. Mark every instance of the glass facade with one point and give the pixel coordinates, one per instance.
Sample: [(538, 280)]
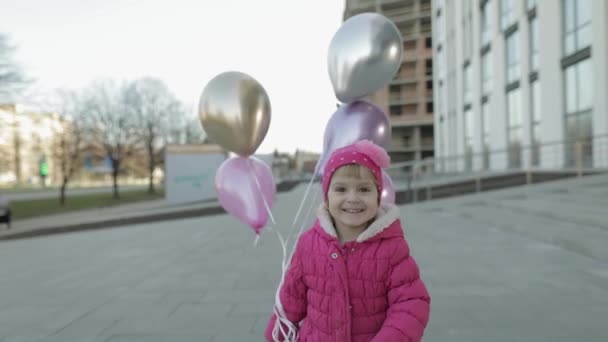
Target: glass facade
[(486, 23), (535, 113), (515, 129), (485, 137), (467, 85), (486, 73), (513, 57), (469, 127), (507, 13), (578, 89), (533, 44), (577, 25)]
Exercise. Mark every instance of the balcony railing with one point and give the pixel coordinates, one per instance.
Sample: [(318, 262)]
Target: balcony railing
[(361, 4), (550, 159)]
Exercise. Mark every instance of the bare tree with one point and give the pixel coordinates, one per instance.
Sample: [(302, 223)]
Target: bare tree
[(12, 78), (194, 131), (69, 145), (109, 124), (154, 107)]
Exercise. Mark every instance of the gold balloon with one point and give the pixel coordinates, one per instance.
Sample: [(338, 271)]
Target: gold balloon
[(234, 110)]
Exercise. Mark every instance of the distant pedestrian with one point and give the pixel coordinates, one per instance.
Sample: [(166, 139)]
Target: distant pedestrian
[(352, 277)]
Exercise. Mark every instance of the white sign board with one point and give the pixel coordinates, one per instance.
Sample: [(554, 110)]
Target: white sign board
[(190, 177)]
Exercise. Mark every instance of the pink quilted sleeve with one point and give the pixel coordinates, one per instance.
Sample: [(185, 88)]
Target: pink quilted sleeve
[(292, 294), (409, 301)]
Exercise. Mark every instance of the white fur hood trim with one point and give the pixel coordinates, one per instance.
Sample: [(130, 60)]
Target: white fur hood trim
[(387, 214)]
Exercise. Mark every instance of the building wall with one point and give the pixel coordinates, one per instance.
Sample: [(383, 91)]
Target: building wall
[(26, 137), (408, 99), (547, 148)]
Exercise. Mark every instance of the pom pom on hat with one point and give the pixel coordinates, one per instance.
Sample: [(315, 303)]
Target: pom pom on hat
[(374, 152)]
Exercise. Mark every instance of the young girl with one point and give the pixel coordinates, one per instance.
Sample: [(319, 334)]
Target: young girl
[(352, 277)]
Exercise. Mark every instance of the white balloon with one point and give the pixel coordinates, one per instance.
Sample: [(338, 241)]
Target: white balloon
[(364, 55)]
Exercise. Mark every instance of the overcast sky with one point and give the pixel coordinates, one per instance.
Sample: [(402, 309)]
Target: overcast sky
[(281, 43)]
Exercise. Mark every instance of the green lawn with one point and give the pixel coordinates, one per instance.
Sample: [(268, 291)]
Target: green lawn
[(41, 207), (25, 188)]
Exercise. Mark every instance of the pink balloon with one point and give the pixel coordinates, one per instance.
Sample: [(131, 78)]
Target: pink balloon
[(241, 195), (352, 122), (388, 189)]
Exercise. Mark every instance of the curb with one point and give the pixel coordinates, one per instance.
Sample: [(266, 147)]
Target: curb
[(112, 223), (115, 222)]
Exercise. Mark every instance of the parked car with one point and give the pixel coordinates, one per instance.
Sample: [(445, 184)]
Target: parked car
[(5, 211)]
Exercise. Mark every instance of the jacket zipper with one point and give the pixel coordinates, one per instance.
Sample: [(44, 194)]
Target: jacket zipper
[(349, 318)]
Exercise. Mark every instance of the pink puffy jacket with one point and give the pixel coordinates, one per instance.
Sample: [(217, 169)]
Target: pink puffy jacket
[(366, 290)]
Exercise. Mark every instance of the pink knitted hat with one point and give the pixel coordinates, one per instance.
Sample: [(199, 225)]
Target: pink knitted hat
[(364, 153)]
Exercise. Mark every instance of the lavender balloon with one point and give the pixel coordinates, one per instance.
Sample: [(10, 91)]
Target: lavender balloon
[(354, 121), (388, 189), (242, 184)]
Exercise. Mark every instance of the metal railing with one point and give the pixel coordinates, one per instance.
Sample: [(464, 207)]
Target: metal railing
[(489, 169)]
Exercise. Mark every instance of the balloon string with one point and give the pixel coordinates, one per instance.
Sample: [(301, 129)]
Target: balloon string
[(282, 323), (293, 224), (312, 203), (257, 182), (283, 327)]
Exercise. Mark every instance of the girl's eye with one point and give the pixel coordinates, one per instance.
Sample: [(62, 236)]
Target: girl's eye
[(339, 189), (365, 189)]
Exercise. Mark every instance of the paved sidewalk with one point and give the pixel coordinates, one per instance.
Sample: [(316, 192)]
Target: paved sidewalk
[(526, 272)]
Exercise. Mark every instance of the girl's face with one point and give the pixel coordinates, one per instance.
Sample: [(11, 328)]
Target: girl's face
[(352, 198)]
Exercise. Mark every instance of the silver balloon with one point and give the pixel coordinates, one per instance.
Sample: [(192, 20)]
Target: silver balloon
[(364, 55), (234, 110)]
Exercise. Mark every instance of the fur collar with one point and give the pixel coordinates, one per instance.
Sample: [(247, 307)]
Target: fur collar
[(386, 215)]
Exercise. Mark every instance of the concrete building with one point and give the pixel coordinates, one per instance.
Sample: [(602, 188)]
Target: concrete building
[(27, 139), (408, 99), (520, 83)]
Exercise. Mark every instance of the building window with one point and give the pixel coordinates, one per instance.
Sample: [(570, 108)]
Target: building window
[(395, 110), (467, 95), (486, 22), (577, 25), (513, 54), (394, 92), (469, 127), (486, 73), (515, 130), (485, 136), (533, 44), (578, 81), (507, 12), (536, 118)]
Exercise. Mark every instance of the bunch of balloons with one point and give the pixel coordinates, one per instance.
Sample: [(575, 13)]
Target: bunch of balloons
[(235, 112), (364, 56)]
